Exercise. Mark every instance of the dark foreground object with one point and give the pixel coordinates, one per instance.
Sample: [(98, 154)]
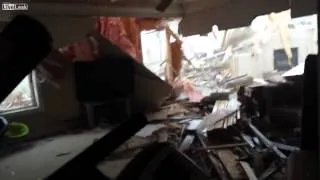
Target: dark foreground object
[(304, 164), (85, 163), (24, 43), (159, 162), (156, 162)]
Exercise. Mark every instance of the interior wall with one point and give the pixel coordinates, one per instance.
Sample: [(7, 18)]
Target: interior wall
[(59, 107)]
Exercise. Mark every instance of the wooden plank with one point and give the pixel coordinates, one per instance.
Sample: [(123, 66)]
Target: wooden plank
[(230, 162), (249, 171), (186, 143), (224, 146)]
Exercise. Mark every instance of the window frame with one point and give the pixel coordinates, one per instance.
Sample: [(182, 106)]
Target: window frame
[(295, 58), (36, 93)]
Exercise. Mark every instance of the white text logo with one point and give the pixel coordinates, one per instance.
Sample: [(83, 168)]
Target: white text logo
[(6, 6)]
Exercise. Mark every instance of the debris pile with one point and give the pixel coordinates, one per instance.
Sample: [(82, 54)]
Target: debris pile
[(227, 133)]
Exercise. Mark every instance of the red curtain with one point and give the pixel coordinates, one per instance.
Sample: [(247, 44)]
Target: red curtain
[(123, 32)]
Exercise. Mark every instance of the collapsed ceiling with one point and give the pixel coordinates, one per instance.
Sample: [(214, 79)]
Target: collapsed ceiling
[(198, 15)]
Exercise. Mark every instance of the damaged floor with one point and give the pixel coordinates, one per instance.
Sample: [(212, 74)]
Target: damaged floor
[(45, 156), (220, 134)]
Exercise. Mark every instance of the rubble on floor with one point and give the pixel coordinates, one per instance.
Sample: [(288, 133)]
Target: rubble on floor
[(225, 125), (225, 133), (222, 134)]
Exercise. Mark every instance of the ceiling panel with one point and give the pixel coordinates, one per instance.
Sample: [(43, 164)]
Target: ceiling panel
[(198, 15)]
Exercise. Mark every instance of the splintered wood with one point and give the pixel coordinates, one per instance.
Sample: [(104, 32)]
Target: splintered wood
[(165, 112), (224, 114)]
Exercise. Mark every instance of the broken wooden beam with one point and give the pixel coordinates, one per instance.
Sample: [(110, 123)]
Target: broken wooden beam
[(229, 161), (224, 146), (248, 170), (218, 166)]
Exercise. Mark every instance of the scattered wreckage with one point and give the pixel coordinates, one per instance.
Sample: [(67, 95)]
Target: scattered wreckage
[(221, 133), (232, 133), (226, 135)]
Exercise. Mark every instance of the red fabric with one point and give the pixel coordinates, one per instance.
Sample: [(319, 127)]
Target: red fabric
[(186, 86), (121, 31), (117, 30), (79, 51)]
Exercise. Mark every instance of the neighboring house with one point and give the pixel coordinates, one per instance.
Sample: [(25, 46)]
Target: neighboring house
[(303, 41), (259, 46)]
